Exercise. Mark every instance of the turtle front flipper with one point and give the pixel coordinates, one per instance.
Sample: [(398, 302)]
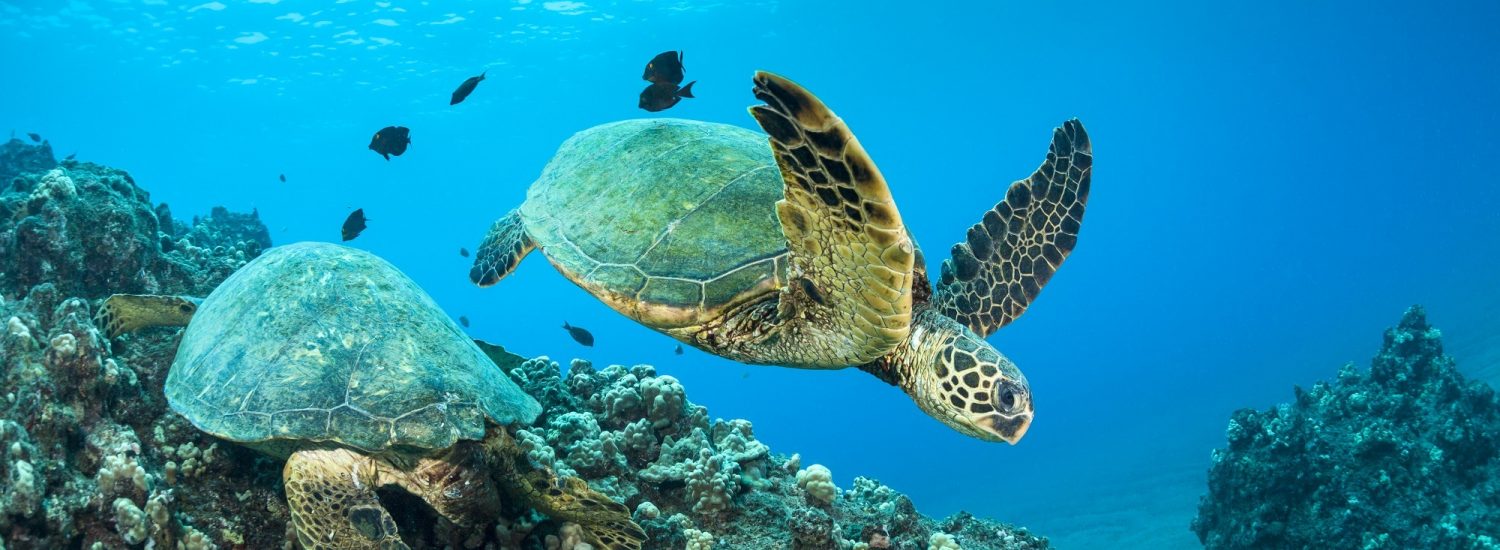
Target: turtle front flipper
[(606, 523), (850, 254), (997, 272), (331, 495), (457, 484), (122, 313), (502, 250)]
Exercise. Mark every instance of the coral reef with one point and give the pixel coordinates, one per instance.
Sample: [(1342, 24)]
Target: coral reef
[(1402, 456), (19, 157), (89, 230), (91, 456), (701, 483)]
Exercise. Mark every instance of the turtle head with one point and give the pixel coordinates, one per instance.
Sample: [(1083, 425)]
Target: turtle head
[(957, 377)]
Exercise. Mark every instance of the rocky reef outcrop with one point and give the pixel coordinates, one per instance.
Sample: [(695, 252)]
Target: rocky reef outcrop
[(89, 230), (1404, 455), (697, 482), (92, 457)]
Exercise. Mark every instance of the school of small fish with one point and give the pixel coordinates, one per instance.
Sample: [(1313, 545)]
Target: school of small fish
[(664, 72)]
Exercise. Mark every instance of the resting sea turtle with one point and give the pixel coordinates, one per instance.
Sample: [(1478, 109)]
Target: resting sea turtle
[(795, 254), (331, 357)]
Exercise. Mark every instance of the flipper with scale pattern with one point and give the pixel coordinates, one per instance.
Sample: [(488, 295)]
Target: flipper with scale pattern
[(122, 313), (331, 496), (850, 252), (1008, 256), (606, 523), (502, 250)]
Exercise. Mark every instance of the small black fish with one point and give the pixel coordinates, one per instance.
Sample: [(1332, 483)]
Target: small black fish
[(665, 67), (678, 351), (463, 252), (34, 137), (354, 224), (466, 88), (283, 178), (462, 320), (579, 335), (663, 95), (391, 140), (71, 156)]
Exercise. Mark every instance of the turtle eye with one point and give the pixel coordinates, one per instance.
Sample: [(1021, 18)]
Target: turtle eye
[(1006, 397)]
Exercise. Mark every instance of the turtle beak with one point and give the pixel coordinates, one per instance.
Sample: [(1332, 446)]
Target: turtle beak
[(1011, 428), (1012, 410)]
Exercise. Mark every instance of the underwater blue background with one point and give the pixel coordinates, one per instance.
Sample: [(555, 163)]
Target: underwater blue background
[(1274, 183)]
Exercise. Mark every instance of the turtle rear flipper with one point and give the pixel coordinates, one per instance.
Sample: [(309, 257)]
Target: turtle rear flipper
[(502, 250), (1009, 255), (123, 313), (850, 253)]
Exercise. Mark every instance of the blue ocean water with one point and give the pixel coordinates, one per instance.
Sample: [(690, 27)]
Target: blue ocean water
[(1274, 183)]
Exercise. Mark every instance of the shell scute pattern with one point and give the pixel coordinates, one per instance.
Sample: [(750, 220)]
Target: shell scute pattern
[(321, 342), (634, 228)]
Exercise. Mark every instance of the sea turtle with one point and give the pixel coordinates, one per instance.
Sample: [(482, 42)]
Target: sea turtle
[(332, 358), (795, 254)]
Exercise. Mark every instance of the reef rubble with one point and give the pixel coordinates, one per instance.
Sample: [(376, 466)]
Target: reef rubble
[(1404, 455), (92, 457)]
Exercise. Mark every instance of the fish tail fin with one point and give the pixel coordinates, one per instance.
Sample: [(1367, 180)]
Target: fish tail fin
[(566, 327), (687, 91), (485, 72)]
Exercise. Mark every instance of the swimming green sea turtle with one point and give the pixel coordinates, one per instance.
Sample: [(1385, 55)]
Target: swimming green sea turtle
[(795, 254), (333, 358)]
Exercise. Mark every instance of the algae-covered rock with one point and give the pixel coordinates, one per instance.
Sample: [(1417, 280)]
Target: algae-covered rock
[(1406, 455), (91, 231), (19, 157)]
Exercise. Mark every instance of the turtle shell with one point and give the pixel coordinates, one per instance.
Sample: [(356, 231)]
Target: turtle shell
[(316, 342), (668, 221)]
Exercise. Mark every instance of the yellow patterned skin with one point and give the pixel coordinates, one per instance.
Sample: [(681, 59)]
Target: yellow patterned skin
[(331, 494), (849, 299), (122, 313)]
